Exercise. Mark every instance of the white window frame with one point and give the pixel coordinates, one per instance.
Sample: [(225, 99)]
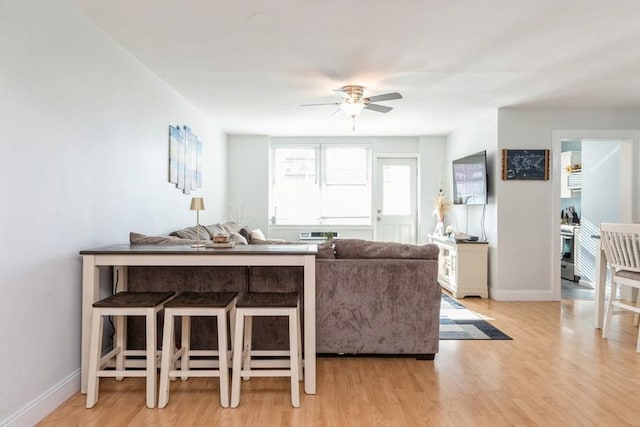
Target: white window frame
[(351, 221)]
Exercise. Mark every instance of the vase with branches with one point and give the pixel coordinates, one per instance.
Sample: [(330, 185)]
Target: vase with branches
[(440, 208)]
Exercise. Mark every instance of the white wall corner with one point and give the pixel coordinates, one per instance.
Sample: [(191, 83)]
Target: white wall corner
[(43, 405)]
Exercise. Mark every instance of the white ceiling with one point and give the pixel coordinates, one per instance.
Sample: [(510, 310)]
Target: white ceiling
[(249, 65)]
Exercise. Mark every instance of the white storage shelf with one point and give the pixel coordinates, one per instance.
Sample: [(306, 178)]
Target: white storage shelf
[(462, 267)]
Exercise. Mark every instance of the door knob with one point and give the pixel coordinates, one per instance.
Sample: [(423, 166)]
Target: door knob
[(378, 218)]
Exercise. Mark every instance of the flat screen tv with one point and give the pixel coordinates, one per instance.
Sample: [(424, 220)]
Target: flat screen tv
[(470, 180)]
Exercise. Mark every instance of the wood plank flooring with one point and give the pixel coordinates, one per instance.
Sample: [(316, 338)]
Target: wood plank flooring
[(557, 371)]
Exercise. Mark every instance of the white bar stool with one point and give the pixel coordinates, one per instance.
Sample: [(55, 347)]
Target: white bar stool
[(121, 305), (266, 304), (185, 305)]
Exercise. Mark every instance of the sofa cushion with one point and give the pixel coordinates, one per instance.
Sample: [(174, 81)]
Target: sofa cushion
[(216, 229), (365, 249), (232, 227), (141, 239), (190, 233)]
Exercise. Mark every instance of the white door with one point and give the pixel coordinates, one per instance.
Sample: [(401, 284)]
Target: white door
[(395, 200)]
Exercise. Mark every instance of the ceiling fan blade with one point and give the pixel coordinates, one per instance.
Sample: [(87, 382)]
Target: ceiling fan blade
[(378, 108), (335, 112), (326, 103), (384, 97), (342, 93)]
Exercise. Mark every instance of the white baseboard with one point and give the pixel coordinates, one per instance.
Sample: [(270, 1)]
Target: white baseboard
[(43, 405), (524, 295)]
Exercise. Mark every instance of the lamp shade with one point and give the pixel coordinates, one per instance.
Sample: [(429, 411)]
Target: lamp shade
[(197, 204)]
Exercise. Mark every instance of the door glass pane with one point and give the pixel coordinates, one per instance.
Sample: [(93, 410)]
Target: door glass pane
[(396, 190)]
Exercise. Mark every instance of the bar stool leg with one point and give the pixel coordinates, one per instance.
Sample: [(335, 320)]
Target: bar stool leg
[(168, 349), (185, 345), (223, 367), (121, 325), (232, 329), (294, 364), (151, 358), (300, 367), (246, 349), (237, 358), (94, 358)]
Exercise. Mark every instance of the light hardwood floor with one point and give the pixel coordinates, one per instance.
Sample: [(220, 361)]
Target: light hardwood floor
[(557, 371)]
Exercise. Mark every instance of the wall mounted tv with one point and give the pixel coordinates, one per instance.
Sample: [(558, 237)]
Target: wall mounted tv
[(470, 186)]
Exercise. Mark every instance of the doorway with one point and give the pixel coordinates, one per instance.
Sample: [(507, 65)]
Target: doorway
[(605, 194), (395, 199)]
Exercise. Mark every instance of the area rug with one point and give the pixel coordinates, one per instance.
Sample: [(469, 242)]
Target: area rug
[(459, 323)]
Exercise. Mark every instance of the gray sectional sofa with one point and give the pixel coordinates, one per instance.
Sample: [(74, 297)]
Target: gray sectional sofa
[(379, 298), (371, 297)]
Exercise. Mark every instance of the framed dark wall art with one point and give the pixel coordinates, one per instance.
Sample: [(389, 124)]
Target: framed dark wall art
[(530, 165)]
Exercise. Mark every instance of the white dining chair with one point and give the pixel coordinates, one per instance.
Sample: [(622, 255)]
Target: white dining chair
[(621, 245)]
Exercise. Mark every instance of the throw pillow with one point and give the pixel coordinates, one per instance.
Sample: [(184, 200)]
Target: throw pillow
[(326, 251), (237, 238), (257, 234), (246, 233)]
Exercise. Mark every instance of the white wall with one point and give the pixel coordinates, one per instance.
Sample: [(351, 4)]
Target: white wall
[(433, 172), (528, 212), (601, 179), (248, 178), (476, 136), (84, 162)]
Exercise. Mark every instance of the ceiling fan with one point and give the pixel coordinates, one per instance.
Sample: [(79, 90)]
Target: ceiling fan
[(353, 102)]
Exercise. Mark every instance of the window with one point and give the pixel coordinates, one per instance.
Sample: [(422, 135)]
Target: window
[(321, 184)]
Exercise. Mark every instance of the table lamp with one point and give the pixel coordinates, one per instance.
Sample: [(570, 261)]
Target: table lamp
[(197, 204)]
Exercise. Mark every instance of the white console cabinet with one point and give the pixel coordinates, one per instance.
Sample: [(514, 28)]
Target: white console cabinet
[(462, 267)]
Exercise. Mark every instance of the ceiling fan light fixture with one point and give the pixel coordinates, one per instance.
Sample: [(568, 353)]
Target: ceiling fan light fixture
[(352, 109)]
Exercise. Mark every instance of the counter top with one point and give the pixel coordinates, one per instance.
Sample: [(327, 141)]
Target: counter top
[(297, 249)]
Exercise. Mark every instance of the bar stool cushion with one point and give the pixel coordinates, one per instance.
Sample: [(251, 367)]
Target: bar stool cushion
[(201, 300), (134, 299), (268, 300)]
